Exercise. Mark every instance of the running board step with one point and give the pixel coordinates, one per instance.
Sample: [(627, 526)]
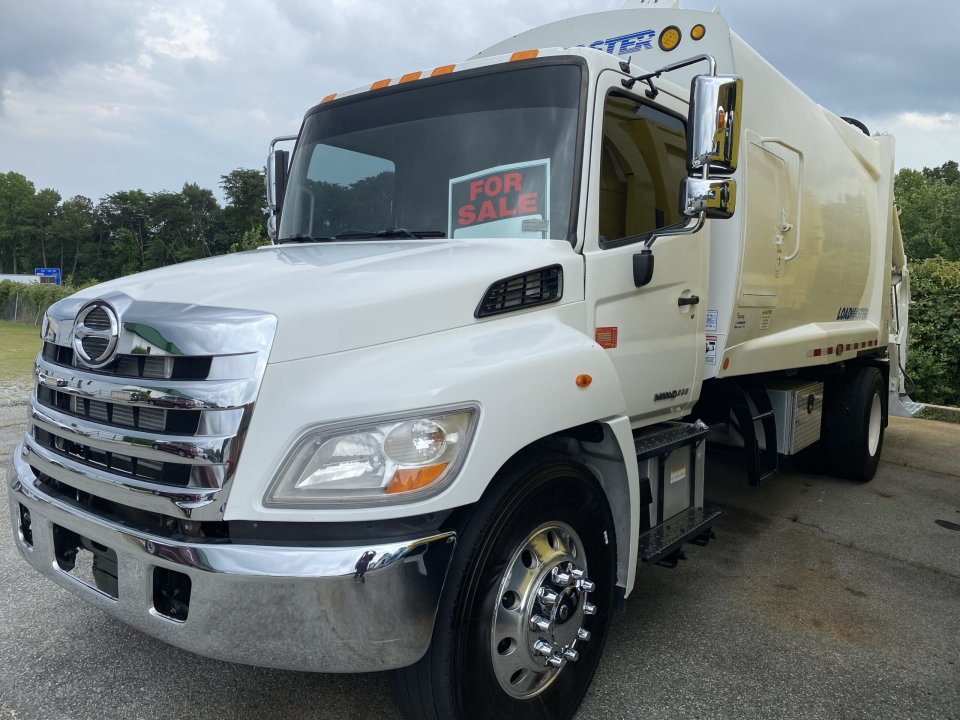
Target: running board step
[(665, 540)]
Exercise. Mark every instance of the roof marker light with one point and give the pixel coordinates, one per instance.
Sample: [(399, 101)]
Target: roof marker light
[(698, 31), (380, 84), (524, 55), (442, 70), (669, 38), (410, 77), (329, 97)]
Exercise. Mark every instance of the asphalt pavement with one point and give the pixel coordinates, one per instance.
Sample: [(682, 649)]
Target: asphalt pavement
[(819, 598)]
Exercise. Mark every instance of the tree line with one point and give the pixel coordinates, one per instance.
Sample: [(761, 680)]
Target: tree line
[(126, 231), (131, 230)]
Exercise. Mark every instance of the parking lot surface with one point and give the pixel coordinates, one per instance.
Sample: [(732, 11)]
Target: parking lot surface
[(818, 599)]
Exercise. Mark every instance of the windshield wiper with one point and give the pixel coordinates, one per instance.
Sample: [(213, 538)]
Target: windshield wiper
[(395, 232), (303, 239)]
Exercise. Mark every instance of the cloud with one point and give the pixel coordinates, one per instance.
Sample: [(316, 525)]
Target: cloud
[(922, 140), (40, 37), (857, 57), (179, 35), (104, 95)]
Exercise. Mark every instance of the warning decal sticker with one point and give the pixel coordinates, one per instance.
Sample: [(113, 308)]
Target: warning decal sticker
[(504, 201), (711, 350)]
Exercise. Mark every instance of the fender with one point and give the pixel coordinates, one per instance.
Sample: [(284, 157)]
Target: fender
[(521, 370)]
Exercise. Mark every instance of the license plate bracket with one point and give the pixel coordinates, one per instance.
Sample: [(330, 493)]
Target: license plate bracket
[(87, 561)]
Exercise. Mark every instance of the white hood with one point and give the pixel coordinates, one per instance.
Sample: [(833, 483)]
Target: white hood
[(340, 296)]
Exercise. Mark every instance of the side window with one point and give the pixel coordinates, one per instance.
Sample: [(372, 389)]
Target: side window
[(642, 165)]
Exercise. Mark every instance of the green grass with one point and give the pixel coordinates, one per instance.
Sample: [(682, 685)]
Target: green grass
[(932, 413), (19, 345)]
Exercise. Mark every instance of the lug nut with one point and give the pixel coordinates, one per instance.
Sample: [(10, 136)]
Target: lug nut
[(586, 585), (570, 654), (539, 622), (547, 596), (561, 578), (583, 634), (556, 661), (542, 647), (589, 609), (578, 573)]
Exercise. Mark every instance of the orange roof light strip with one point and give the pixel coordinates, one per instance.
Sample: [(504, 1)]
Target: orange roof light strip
[(524, 55), (411, 76)]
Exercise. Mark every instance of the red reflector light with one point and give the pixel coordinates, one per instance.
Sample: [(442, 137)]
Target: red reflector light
[(606, 337)]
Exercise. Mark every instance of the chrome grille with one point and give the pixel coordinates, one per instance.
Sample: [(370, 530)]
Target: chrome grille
[(151, 470), (120, 415), (167, 446), (158, 367)]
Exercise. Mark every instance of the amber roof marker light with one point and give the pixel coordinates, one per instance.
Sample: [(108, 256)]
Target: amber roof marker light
[(698, 31), (669, 38)]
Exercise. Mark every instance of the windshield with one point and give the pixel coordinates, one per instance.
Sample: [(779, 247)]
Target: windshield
[(484, 155)]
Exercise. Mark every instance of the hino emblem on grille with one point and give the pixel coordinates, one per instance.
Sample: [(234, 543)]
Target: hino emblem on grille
[(95, 333)]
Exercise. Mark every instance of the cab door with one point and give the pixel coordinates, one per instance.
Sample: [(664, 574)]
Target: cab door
[(655, 334)]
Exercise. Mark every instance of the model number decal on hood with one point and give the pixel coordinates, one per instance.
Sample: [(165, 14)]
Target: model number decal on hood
[(625, 44), (671, 394)]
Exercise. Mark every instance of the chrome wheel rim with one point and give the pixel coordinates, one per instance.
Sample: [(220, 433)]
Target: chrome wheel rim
[(874, 426), (538, 621)]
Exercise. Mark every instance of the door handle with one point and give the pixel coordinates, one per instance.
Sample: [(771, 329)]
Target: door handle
[(692, 300)]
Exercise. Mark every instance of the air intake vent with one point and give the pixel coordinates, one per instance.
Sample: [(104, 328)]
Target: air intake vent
[(537, 287)]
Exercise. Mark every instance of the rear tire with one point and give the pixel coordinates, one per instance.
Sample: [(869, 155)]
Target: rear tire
[(482, 663), (854, 423)]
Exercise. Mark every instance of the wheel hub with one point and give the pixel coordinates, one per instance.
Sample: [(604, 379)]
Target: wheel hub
[(538, 622)]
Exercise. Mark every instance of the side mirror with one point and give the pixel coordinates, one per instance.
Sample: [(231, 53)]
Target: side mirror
[(276, 179), (713, 124), (717, 198), (276, 176)]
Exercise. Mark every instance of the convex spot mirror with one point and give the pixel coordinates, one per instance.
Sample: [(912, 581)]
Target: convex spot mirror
[(713, 124), (715, 197)]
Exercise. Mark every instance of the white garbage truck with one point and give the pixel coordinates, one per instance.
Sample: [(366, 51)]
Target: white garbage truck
[(441, 423)]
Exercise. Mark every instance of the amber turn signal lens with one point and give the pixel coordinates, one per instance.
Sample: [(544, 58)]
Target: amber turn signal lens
[(414, 478), (698, 31), (669, 38), (524, 55), (584, 380)]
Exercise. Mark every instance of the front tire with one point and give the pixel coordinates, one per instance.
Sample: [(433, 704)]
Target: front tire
[(524, 615)]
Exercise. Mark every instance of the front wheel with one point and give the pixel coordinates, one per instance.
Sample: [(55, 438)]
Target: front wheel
[(525, 612)]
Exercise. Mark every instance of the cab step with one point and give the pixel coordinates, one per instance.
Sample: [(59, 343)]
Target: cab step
[(663, 544)]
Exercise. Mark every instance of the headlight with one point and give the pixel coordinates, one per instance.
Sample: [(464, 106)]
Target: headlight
[(393, 459)]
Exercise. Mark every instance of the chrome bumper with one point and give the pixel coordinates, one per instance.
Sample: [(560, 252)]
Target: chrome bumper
[(297, 608)]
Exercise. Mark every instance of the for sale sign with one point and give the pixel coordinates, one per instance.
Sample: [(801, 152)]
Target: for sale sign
[(504, 201)]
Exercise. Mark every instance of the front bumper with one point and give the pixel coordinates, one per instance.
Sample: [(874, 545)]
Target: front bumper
[(298, 608)]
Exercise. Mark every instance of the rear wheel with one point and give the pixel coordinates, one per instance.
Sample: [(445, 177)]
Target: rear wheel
[(523, 618), (854, 424)]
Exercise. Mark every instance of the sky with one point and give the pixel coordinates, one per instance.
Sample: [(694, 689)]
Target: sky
[(98, 96)]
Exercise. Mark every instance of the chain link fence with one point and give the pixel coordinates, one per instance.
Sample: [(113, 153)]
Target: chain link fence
[(27, 303)]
